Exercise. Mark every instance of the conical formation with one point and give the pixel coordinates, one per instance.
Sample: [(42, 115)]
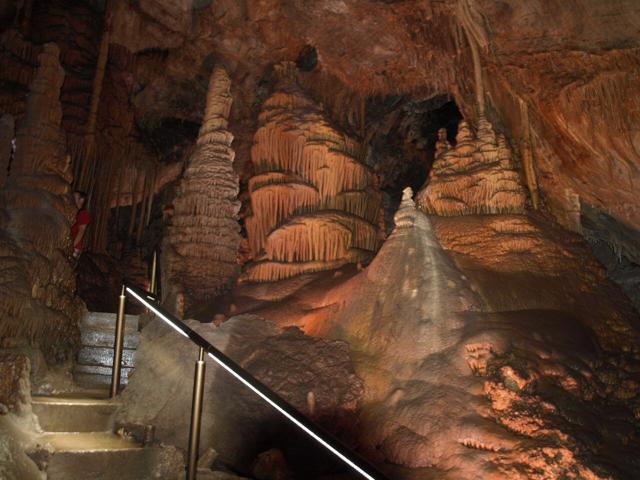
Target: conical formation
[(200, 260), (37, 282), (477, 176), (314, 206)]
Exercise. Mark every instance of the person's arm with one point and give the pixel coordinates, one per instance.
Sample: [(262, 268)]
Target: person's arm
[(80, 235)]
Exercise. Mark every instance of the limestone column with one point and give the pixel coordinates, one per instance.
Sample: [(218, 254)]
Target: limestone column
[(37, 281), (201, 245)]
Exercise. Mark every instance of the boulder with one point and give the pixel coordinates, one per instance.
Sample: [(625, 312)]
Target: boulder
[(235, 422)]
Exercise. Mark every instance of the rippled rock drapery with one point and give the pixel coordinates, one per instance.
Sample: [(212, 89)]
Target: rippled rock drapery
[(476, 176), (36, 298), (201, 245), (314, 205), (314, 375)]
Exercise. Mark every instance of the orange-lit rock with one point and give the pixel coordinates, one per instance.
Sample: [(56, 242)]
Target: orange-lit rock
[(314, 206), (478, 175), (490, 347)]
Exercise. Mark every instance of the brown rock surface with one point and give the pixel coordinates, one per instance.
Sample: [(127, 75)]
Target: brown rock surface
[(236, 423), (36, 277), (201, 245), (7, 134), (541, 409), (15, 387), (314, 206), (476, 176), (499, 357)]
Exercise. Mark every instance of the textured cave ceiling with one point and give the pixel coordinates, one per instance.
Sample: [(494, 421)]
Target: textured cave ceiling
[(564, 60)]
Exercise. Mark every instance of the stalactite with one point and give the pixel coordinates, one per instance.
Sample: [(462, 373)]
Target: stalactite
[(98, 81), (146, 194), (201, 246), (7, 133), (527, 155), (312, 202), (477, 176), (101, 201), (134, 204), (476, 38), (363, 115), (152, 192), (121, 171)]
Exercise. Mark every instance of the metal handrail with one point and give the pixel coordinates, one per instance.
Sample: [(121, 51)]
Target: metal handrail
[(327, 440)]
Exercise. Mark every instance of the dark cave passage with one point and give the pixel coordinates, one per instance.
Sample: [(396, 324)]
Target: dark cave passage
[(403, 139)]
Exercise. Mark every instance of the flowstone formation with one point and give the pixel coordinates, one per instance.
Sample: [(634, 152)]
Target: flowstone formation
[(314, 205), (458, 386), (201, 245), (476, 176), (36, 278)]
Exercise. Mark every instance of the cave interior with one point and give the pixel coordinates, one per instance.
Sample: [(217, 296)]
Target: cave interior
[(415, 223)]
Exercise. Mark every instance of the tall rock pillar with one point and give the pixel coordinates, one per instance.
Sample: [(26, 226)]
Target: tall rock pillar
[(37, 281), (201, 245)]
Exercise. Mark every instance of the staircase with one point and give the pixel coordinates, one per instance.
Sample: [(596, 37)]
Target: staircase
[(78, 443), (95, 358)]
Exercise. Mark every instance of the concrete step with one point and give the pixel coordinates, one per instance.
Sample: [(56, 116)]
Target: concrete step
[(99, 370), (103, 356), (94, 376), (99, 456), (106, 321), (101, 337), (66, 414)]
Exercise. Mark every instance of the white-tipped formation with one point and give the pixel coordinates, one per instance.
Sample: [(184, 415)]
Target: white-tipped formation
[(314, 206)]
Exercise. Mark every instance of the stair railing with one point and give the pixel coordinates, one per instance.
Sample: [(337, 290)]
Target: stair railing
[(150, 301)]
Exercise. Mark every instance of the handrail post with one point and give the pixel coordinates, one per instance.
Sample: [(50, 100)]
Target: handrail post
[(117, 347), (196, 416), (154, 268)]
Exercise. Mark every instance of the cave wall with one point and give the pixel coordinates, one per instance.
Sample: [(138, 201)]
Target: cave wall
[(540, 74), (566, 81)]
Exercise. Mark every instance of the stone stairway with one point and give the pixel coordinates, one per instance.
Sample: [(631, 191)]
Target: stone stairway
[(95, 358), (78, 443)]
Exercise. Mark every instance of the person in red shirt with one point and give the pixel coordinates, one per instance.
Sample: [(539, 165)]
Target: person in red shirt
[(79, 228)]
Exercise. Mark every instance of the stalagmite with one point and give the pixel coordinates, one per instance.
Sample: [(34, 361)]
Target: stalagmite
[(36, 279), (201, 245), (98, 80), (476, 176), (314, 205)]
